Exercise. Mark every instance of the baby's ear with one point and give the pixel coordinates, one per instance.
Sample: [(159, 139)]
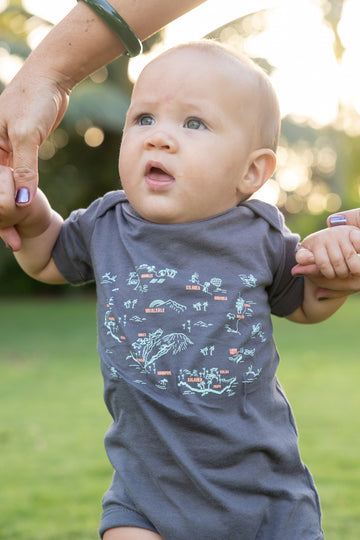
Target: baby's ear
[(261, 165)]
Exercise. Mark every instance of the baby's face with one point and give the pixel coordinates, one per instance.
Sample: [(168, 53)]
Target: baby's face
[(187, 138)]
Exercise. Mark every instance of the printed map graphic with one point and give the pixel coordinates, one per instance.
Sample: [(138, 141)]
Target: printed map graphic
[(182, 329)]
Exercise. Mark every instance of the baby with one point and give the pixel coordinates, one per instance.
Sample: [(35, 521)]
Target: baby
[(188, 271)]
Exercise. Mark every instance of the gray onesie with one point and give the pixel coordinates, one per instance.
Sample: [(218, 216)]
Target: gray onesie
[(203, 441)]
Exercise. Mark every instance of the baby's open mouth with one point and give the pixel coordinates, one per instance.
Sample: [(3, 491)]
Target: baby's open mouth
[(156, 171), (157, 177)]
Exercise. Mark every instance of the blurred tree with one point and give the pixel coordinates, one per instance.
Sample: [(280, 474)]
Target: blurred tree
[(318, 168), (13, 30), (332, 14)]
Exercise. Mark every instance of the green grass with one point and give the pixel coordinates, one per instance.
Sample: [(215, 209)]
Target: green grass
[(53, 468), (320, 371)]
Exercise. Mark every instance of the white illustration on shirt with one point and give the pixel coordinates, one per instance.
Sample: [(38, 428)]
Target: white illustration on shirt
[(155, 345), (153, 342)]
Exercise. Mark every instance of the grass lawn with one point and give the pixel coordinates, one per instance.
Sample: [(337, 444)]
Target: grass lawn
[(53, 468)]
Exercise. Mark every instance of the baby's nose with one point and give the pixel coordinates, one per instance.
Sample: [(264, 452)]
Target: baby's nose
[(162, 140)]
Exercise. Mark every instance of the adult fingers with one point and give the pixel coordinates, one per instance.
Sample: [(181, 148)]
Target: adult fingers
[(25, 169), (353, 257), (7, 194), (344, 256), (332, 261), (349, 217), (325, 262), (338, 255)]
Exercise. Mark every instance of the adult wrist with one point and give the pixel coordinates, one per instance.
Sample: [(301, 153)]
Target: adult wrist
[(117, 24)]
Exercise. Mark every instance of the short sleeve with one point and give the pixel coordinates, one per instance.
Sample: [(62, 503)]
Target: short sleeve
[(72, 252), (286, 292)]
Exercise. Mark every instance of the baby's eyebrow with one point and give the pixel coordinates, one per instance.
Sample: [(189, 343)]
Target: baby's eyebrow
[(143, 103), (134, 111)]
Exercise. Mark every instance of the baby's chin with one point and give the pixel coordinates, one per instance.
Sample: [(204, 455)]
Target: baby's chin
[(164, 208)]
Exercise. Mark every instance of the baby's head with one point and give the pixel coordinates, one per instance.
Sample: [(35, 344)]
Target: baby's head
[(200, 135)]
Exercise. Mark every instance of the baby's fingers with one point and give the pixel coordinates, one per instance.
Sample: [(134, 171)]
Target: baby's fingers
[(304, 256), (11, 238)]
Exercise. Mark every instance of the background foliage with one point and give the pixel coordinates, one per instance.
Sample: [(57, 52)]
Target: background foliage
[(78, 162)]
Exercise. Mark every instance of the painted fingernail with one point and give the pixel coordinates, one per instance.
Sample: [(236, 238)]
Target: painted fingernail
[(22, 196), (337, 220)]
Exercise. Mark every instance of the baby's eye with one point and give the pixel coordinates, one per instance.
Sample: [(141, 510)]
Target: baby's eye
[(194, 123), (145, 120)]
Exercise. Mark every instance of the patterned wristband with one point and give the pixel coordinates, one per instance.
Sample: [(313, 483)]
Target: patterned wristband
[(111, 17)]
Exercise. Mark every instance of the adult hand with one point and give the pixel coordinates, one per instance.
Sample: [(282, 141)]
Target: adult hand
[(305, 259), (30, 109), (333, 252)]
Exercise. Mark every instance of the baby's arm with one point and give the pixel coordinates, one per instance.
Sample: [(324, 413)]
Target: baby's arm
[(38, 227), (314, 309), (39, 232)]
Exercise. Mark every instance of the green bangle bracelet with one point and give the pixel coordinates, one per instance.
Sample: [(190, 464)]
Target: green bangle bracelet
[(111, 17)]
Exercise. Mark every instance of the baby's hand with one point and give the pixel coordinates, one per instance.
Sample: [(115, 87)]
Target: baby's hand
[(10, 213), (332, 252)]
